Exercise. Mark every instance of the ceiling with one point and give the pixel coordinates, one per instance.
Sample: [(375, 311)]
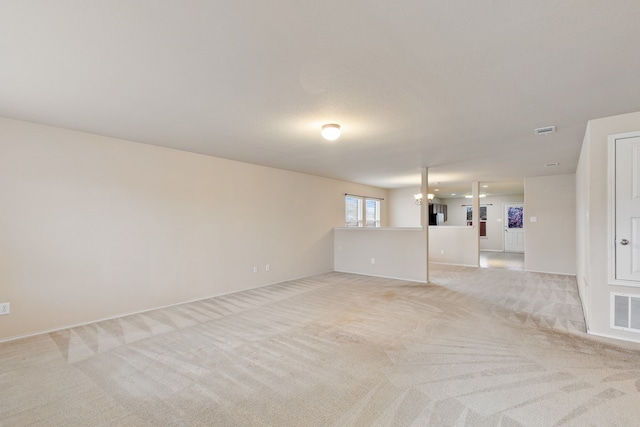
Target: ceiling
[(455, 86), (451, 190)]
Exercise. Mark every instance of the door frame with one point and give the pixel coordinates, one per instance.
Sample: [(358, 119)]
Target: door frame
[(505, 225), (611, 209)]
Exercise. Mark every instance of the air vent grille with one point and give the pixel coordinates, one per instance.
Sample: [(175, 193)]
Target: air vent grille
[(625, 310), (545, 131)]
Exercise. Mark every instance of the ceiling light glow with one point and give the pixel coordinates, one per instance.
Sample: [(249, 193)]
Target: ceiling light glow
[(330, 132)]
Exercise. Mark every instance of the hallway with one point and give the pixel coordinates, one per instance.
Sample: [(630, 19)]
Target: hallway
[(503, 260)]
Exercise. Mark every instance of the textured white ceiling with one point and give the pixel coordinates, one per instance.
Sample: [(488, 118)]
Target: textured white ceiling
[(457, 86)]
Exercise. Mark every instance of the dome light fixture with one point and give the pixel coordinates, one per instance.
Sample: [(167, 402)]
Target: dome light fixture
[(330, 132)]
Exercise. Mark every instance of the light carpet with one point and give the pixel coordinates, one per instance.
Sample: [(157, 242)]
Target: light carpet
[(477, 347)]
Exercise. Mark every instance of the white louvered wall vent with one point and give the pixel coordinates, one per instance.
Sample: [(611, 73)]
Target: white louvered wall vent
[(625, 312)]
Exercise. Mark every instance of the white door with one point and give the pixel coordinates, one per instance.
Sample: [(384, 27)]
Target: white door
[(627, 209), (514, 227)]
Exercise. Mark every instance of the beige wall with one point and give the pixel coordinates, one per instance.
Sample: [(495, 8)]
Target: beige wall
[(592, 220), (403, 211), (583, 246), (453, 245), (456, 213), (550, 242), (94, 227), (399, 253)]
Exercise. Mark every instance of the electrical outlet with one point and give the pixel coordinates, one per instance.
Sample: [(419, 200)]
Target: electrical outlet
[(255, 268), (267, 267), (5, 308), (441, 251), (373, 260)]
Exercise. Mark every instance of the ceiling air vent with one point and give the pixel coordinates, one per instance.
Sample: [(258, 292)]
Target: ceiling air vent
[(545, 131)]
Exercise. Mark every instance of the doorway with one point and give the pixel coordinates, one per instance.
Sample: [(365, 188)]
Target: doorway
[(514, 227), (626, 228)]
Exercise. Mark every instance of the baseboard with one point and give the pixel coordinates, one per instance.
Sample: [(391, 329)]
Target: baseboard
[(383, 277), (458, 265), (597, 334), (550, 272)]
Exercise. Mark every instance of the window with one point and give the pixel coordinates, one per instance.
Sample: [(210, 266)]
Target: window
[(372, 218), (353, 211), (361, 211)]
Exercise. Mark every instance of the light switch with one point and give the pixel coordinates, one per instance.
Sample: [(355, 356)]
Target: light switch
[(533, 219)]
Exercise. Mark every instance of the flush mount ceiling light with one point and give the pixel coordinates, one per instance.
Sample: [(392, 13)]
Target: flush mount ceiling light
[(330, 132)]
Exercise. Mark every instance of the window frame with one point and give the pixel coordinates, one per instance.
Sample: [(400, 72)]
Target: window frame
[(353, 218), (365, 215)]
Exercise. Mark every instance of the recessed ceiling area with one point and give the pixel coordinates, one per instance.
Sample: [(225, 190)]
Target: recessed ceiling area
[(456, 87)]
